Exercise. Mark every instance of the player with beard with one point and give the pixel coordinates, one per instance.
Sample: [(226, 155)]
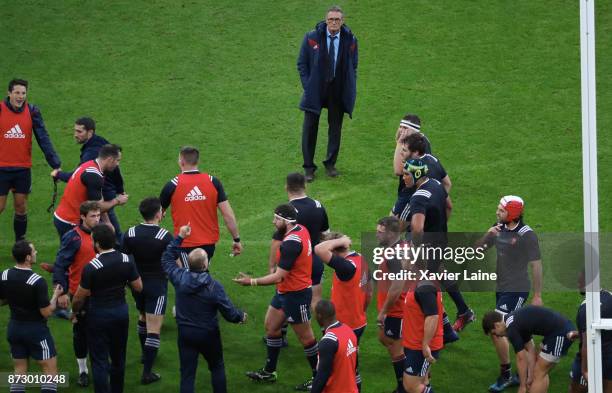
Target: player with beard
[(293, 280), (517, 249), (76, 251)]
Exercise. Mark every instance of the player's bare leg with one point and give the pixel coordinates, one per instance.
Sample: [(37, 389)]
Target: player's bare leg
[(540, 376)]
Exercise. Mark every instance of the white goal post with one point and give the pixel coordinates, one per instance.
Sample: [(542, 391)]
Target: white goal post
[(591, 204)]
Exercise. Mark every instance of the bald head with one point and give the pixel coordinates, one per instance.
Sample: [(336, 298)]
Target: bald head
[(198, 260)]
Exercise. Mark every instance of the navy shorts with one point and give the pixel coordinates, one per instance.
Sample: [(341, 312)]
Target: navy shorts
[(19, 180), (184, 253), (415, 363), (401, 208), (576, 372), (506, 302), (359, 332), (393, 327), (317, 270), (296, 305), (554, 346), (154, 296), (30, 340)]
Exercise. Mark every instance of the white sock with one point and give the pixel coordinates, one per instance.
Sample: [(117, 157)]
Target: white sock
[(82, 366)]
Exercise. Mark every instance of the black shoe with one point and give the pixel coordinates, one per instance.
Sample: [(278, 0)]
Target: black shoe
[(309, 175), (306, 386), (262, 375), (83, 380), (331, 171), (149, 378)]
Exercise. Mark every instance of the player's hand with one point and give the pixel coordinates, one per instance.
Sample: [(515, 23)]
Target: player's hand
[(573, 335), (494, 230), (57, 291), (427, 354), (185, 231), (242, 279), (55, 172), (245, 316), (121, 199), (236, 248), (345, 241), (380, 320), (401, 133), (537, 300), (62, 301)]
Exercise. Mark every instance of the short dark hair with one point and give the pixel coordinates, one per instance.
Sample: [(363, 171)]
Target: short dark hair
[(104, 236), (21, 249), (88, 206), (109, 150), (87, 122), (325, 309), (416, 142), (296, 182), (149, 207), (412, 118), (391, 223), (17, 82), (190, 155), (489, 320), (286, 211)]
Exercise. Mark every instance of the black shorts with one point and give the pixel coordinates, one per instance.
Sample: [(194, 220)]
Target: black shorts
[(415, 363), (359, 332), (184, 253), (556, 345), (30, 340), (506, 302), (296, 305), (317, 270), (18, 180), (393, 327), (575, 373), (154, 296)]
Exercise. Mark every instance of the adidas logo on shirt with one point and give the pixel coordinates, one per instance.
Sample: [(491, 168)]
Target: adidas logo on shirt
[(195, 195), (14, 133), (350, 348)]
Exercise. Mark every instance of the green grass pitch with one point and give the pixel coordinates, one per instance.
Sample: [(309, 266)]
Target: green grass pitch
[(497, 85)]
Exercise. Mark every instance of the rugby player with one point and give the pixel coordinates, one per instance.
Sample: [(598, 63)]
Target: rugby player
[(28, 335), (409, 125), (102, 288), (312, 215), (76, 251), (429, 211), (351, 285), (19, 120), (390, 299), (337, 353), (85, 135), (86, 184), (146, 243), (423, 337), (194, 198), (519, 327), (579, 370), (293, 280), (517, 248)]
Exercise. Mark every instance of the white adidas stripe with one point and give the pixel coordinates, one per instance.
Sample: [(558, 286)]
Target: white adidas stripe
[(5, 275), (161, 234), (424, 193), (126, 258), (132, 232), (33, 278)]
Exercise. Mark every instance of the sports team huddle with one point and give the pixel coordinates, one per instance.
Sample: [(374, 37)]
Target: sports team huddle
[(96, 261)]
